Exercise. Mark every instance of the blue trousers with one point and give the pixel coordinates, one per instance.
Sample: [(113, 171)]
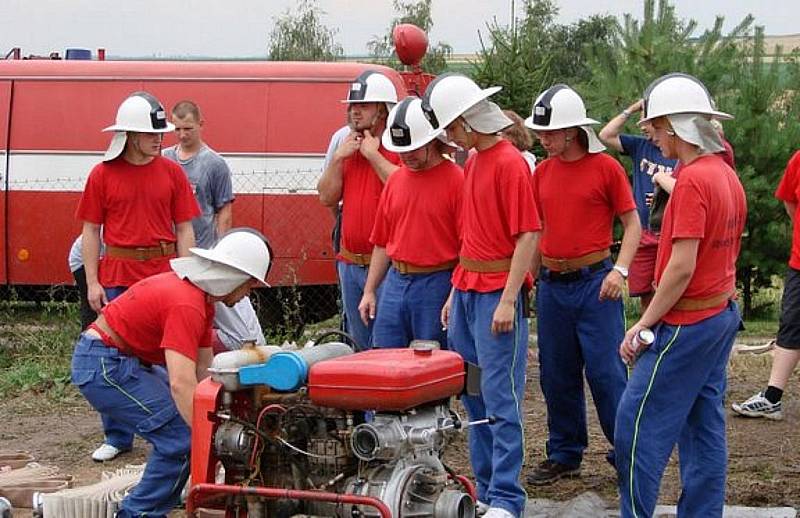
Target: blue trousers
[(139, 398), (352, 279), (578, 334), (410, 308), (117, 434), (496, 450), (675, 395)]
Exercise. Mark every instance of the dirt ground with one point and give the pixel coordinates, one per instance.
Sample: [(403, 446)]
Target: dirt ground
[(764, 459)]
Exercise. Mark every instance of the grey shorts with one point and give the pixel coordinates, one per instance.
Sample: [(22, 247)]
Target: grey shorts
[(789, 330)]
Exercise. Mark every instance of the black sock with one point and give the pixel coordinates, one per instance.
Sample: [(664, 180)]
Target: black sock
[(773, 394)]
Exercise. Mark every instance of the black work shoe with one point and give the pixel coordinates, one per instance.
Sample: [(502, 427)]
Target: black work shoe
[(549, 471)]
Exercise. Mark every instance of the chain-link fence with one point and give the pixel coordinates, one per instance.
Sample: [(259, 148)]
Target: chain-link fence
[(281, 203)]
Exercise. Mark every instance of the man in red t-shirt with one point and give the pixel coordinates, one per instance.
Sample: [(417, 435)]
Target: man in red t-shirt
[(787, 351), (165, 321), (580, 315), (677, 386), (144, 205), (415, 232), (486, 312), (355, 176)]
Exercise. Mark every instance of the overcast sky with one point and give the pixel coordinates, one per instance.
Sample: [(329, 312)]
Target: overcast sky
[(240, 28)]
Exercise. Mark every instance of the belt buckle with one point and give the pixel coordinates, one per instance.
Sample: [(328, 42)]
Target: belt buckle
[(163, 245), (402, 267), (360, 260)]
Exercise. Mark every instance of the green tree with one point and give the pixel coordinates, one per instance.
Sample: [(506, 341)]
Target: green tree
[(660, 43), (537, 53), (759, 93), (300, 35), (765, 133), (417, 12)]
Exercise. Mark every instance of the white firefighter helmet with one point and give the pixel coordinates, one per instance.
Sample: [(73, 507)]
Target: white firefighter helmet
[(449, 96), (407, 128), (372, 87), (560, 107), (243, 249), (140, 112), (678, 93), (556, 108)]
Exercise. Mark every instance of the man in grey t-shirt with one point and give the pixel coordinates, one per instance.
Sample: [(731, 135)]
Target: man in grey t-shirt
[(208, 173), (211, 181)]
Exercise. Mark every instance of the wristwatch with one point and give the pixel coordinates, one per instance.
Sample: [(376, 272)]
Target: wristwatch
[(622, 271)]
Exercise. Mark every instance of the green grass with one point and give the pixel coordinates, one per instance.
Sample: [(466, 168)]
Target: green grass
[(36, 342)]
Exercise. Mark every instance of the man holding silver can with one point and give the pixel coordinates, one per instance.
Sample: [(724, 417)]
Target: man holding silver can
[(677, 385)]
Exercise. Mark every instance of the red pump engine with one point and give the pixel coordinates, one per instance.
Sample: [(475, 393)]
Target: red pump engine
[(362, 437)]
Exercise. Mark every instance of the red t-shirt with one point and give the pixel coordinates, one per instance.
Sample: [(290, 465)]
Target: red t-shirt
[(137, 206), (497, 206), (361, 191), (162, 312), (417, 219), (789, 191), (708, 203), (577, 203)]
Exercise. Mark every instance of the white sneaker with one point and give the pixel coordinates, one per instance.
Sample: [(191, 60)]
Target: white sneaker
[(759, 406), (497, 512), (481, 508), (105, 452)]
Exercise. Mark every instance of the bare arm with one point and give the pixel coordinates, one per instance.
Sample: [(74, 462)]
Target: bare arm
[(791, 208), (503, 319), (378, 266), (224, 218), (536, 263), (370, 149), (665, 181), (676, 277), (614, 282), (331, 182), (632, 233), (182, 382), (609, 135), (204, 357), (90, 250), (185, 236)]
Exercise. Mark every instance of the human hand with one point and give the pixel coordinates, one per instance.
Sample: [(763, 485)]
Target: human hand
[(369, 145), (612, 286), (367, 307), (96, 296), (637, 106), (444, 317), (630, 348), (349, 145), (503, 318)]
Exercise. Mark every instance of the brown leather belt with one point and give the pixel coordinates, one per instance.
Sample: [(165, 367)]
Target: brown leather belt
[(406, 268), (141, 253), (359, 259), (574, 263), (689, 304), (493, 266)]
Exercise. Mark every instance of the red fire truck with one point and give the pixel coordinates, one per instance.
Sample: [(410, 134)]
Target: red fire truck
[(272, 121)]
